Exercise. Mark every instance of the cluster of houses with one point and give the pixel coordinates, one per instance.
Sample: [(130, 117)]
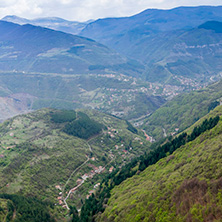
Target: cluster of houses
[(112, 132), (60, 198), (79, 182)]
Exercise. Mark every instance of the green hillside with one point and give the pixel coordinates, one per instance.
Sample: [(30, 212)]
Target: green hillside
[(17, 208), (184, 186), (28, 48), (123, 95), (40, 159), (183, 111), (184, 42), (192, 54)]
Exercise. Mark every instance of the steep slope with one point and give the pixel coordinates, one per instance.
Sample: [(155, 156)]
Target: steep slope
[(194, 53), (168, 42), (183, 110), (127, 30), (48, 153), (55, 23), (185, 186), (30, 48), (18, 208)]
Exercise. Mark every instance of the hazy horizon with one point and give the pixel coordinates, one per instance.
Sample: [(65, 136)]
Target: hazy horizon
[(85, 10)]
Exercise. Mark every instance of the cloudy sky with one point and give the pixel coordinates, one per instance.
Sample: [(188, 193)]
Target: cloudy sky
[(82, 10)]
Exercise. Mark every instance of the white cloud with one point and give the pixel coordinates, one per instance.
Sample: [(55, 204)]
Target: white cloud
[(89, 9)]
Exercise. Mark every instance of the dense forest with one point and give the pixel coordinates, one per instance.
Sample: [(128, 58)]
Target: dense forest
[(131, 128), (83, 127), (62, 116), (95, 203), (22, 209)]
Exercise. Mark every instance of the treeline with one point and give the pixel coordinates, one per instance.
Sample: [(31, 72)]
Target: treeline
[(26, 209), (83, 127), (95, 204), (213, 105), (171, 146), (131, 128), (62, 116)]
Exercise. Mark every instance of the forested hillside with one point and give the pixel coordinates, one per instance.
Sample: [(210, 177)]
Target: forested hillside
[(184, 186), (170, 43), (183, 111), (26, 48), (47, 153)]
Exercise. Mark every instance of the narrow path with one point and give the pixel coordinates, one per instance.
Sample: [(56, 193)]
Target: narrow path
[(14, 215), (164, 132), (63, 190), (146, 135), (90, 148)]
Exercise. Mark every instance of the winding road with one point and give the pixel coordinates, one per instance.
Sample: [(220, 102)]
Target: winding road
[(63, 190)]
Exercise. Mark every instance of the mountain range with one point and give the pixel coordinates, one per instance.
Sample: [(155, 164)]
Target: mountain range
[(194, 53), (55, 23), (29, 48), (83, 159), (114, 31), (168, 42), (179, 42)]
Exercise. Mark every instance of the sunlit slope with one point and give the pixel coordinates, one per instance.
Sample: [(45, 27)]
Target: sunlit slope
[(185, 186)]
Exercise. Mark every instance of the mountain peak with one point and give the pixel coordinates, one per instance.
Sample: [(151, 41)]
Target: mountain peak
[(15, 19)]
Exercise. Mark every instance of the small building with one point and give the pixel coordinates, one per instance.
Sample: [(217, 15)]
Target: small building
[(60, 202), (85, 176), (97, 185), (111, 169), (58, 187), (79, 181)]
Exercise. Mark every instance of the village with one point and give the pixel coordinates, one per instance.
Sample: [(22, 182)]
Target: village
[(121, 101), (95, 170), (118, 150)]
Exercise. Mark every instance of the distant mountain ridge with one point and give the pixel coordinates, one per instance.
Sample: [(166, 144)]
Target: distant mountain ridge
[(59, 24), (168, 42), (165, 43), (110, 30), (31, 48), (193, 53)]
